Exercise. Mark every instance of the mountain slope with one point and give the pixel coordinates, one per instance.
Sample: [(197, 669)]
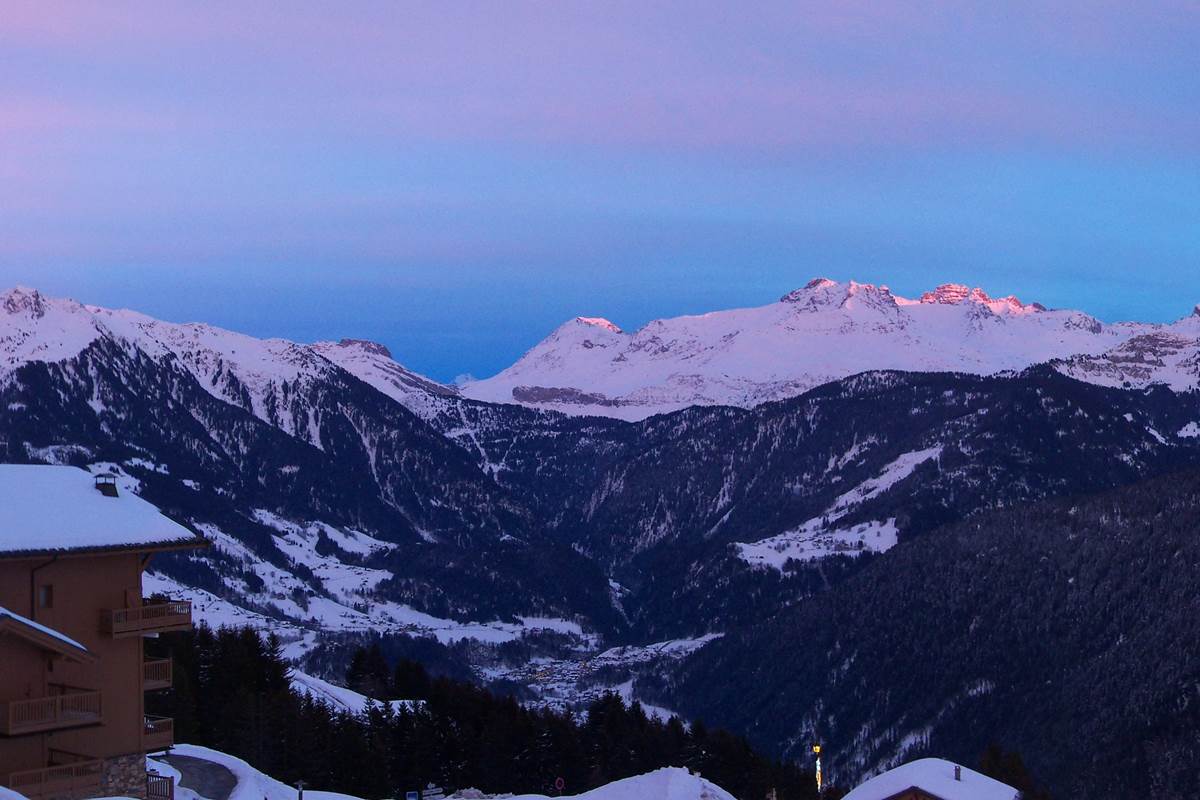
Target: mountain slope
[(346, 495), (697, 513), (824, 331), (330, 504), (472, 511), (1067, 630)]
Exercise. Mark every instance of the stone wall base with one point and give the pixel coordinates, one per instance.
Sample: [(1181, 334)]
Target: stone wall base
[(124, 776)]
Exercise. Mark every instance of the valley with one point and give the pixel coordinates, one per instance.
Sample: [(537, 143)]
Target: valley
[(559, 556)]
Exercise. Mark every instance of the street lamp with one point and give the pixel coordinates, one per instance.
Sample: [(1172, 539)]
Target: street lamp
[(817, 751)]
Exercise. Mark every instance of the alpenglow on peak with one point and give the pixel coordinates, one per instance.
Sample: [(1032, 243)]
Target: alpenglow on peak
[(823, 331)]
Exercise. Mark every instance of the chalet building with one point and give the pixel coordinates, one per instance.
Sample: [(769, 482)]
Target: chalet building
[(72, 621), (932, 779)]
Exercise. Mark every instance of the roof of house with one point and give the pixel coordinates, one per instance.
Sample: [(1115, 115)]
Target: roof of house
[(935, 776), (42, 635), (54, 509)]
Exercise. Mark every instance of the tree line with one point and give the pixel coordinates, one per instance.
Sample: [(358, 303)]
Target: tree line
[(232, 692)]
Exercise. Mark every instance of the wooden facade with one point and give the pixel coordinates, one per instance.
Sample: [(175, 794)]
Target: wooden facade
[(73, 672)]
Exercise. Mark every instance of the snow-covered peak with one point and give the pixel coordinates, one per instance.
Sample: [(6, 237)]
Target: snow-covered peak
[(822, 294), (959, 294), (372, 363), (36, 328), (823, 331), (817, 287), (23, 300), (261, 375), (952, 294), (365, 346), (598, 322)]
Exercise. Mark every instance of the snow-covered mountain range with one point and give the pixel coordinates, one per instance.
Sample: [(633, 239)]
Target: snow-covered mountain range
[(260, 375), (346, 496), (825, 331), (822, 332)]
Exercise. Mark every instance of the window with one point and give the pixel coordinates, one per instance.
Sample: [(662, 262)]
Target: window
[(45, 596)]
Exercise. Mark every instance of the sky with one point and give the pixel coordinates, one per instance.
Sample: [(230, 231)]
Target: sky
[(457, 179)]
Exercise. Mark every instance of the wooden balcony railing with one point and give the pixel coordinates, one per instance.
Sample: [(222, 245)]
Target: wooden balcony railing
[(175, 615), (156, 674), (78, 778), (158, 733), (159, 787), (40, 714)]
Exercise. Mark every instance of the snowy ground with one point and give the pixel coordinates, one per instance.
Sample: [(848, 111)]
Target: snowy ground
[(338, 697), (670, 783), (821, 536), (811, 541), (565, 684), (277, 601), (251, 784), (286, 606)]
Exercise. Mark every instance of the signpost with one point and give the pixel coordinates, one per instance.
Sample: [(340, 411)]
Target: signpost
[(559, 784)]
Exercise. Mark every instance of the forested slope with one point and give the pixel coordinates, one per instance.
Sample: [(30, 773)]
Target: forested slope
[(1069, 630)]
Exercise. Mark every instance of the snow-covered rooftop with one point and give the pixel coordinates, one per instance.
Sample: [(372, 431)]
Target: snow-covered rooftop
[(668, 783), (49, 508), (37, 626), (936, 777)]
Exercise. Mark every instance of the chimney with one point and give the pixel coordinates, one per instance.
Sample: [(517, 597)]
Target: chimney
[(106, 484), (957, 772)]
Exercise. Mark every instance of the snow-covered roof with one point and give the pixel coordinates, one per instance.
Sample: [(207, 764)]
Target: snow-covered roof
[(63, 642), (668, 783), (57, 508), (936, 777)]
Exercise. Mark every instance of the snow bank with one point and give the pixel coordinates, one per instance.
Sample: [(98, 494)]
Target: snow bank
[(669, 783), (339, 697), (251, 784)]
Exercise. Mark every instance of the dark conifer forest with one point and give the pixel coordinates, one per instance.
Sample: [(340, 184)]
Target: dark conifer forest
[(1067, 630), (232, 693)]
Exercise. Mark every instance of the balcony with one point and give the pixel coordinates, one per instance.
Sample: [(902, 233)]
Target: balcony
[(159, 787), (158, 733), (80, 778), (52, 713), (156, 674), (174, 615)]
